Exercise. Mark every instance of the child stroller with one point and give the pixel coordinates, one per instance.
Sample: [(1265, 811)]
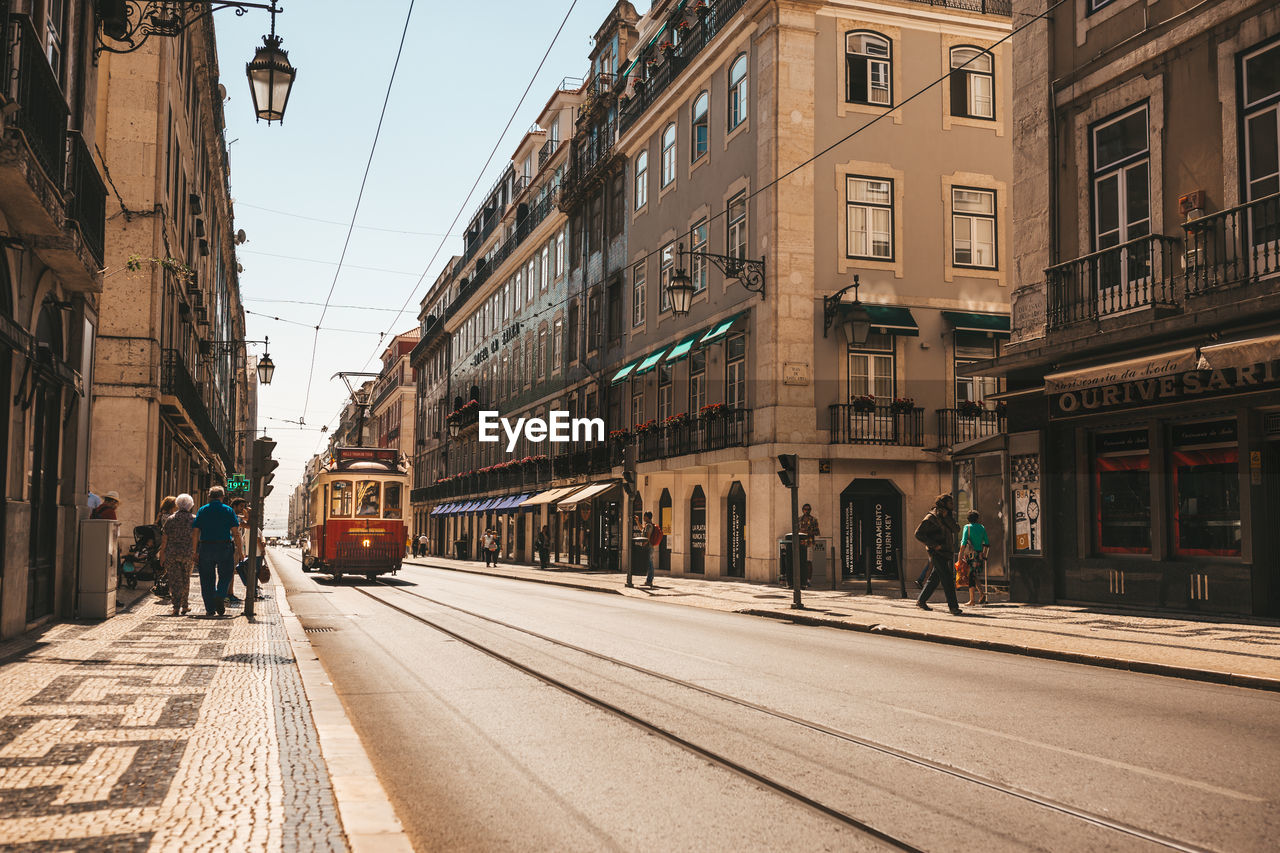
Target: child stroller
[(140, 561)]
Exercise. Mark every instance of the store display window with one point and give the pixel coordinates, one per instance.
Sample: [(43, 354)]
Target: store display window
[(1206, 489), (1122, 492)]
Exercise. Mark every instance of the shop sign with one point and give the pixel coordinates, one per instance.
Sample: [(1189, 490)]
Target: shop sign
[(1132, 389), (1196, 435), (737, 531), (870, 521)]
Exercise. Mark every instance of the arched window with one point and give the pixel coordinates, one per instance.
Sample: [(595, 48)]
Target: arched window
[(972, 83), (698, 138), (669, 154), (738, 91), (642, 179), (868, 69)]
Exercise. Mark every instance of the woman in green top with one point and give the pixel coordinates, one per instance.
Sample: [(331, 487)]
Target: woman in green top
[(974, 545)]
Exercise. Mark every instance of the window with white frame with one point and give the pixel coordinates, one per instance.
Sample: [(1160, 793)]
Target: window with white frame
[(871, 369), (666, 266), (665, 392), (736, 227), (642, 179), (544, 267), (972, 83), (557, 345), (869, 217), (738, 91), (973, 228), (637, 401), (735, 371), (1260, 88), (669, 154), (971, 348), (699, 140), (540, 366), (639, 294), (1121, 157), (697, 381), (868, 59), (560, 253), (55, 16), (698, 263)]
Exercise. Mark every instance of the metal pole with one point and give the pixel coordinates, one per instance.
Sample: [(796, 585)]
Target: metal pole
[(255, 512), (797, 579)]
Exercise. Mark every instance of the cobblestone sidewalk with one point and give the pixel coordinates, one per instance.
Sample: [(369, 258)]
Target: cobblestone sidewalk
[(150, 732)]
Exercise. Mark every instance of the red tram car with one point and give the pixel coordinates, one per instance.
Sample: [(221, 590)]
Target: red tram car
[(357, 508)]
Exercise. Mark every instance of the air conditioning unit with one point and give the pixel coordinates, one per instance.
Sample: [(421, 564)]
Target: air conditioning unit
[(204, 248), (197, 207), (199, 227)]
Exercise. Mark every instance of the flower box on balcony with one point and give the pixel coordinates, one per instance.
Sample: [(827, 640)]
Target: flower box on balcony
[(620, 436), (677, 420), (713, 412), (969, 408), (864, 404), (645, 428), (902, 406)]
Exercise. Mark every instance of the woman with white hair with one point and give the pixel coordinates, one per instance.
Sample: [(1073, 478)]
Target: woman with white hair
[(178, 543)]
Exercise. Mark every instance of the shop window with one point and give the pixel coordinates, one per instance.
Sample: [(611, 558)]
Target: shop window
[(1122, 492), (340, 499), (1206, 489)]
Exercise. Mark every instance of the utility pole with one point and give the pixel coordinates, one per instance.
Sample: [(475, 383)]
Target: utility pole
[(790, 477), (261, 475)]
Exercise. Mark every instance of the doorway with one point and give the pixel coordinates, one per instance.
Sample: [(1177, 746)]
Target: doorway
[(870, 529), (697, 531), (736, 531), (664, 522)]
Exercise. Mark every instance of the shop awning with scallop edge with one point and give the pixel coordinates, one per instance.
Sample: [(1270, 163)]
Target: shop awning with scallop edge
[(969, 321)]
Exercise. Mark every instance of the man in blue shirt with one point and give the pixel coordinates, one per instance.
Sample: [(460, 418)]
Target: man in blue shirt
[(218, 551)]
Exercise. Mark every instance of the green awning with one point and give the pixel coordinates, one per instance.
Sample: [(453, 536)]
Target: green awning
[(622, 374), (719, 330), (651, 362), (888, 319), (681, 349), (965, 321)]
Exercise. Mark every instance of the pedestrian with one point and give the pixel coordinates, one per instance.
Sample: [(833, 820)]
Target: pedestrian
[(974, 547), (422, 545), (241, 508), (808, 527), (937, 531), (107, 509), (168, 507), (178, 545), (652, 539), (490, 544), (542, 544), (218, 551)]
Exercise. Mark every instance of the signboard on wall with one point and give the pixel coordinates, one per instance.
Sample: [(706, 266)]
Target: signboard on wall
[(736, 531), (871, 528)]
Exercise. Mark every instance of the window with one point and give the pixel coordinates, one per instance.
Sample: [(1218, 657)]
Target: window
[(697, 381), (736, 230), (642, 179), (973, 228), (531, 278), (340, 499), (595, 222), (1261, 134), (738, 91), (1206, 486), (869, 215), (540, 364), (698, 264), (571, 333), (972, 83), (698, 140), (735, 372), (666, 267), (369, 494), (639, 294), (970, 348), (868, 59), (617, 205), (615, 310), (391, 500), (1122, 492), (669, 154), (871, 369), (544, 267), (560, 253), (1122, 197), (557, 345), (637, 402), (513, 375), (593, 321), (664, 392), (54, 18)]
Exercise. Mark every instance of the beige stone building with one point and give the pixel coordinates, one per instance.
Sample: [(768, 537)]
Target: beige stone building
[(52, 205), (170, 391), (391, 398)]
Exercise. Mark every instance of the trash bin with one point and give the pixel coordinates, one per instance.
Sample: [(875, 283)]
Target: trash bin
[(784, 557), (460, 549)]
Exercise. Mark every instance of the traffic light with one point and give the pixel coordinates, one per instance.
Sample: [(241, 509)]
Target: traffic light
[(790, 473), (263, 465)]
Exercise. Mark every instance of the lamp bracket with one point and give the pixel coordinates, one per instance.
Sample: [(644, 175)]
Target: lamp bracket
[(166, 18), (749, 273), (831, 304)]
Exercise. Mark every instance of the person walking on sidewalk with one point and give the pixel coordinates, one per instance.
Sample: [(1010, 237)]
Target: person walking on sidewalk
[(652, 539), (937, 531), (490, 544), (808, 532), (422, 545), (218, 552), (974, 546), (542, 544), (177, 553), (107, 509)]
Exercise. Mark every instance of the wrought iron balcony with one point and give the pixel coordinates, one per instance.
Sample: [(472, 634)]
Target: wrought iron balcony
[(696, 435), (87, 202), (176, 381), (1235, 246), (547, 151), (957, 427), (986, 7), (532, 217), (1137, 274), (854, 424), (42, 109)]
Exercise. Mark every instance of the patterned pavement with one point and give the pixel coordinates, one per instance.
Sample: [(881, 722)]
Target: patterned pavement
[(150, 732)]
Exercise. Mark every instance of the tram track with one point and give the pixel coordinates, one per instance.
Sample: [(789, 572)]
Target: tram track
[(780, 787)]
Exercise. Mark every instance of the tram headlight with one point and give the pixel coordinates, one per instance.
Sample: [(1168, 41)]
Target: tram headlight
[(365, 543)]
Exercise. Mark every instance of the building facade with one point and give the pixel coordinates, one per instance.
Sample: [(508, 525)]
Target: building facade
[(52, 211), (431, 360), (1141, 465), (391, 398), (170, 384)]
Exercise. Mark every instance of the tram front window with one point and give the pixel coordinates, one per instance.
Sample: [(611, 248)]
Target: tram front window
[(391, 500), (370, 494), (340, 499)]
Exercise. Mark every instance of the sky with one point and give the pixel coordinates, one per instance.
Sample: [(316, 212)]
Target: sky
[(295, 185)]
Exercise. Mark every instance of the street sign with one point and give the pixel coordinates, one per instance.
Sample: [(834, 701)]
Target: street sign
[(238, 484)]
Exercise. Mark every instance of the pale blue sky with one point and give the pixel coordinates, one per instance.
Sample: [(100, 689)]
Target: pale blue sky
[(462, 71)]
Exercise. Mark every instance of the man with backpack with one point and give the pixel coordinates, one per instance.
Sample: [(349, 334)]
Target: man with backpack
[(652, 534), (937, 531)]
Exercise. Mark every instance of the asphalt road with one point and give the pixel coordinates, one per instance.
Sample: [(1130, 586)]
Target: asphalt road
[(599, 722)]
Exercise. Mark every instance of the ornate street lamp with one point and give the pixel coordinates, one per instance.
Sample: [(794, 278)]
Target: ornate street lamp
[(680, 291), (270, 78), (856, 321), (748, 273), (266, 367), (454, 429)]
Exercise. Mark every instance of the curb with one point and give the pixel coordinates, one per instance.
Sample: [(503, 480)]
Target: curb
[(367, 815), (549, 580), (1254, 682)]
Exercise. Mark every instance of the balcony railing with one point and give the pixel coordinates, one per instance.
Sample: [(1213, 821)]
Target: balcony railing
[(957, 427), (1234, 246), (87, 205), (986, 7), (547, 151), (42, 110), (697, 435), (850, 424), (1136, 274), (177, 381), (532, 217)]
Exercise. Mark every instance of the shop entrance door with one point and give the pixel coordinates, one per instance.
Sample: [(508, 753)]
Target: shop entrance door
[(871, 529), (697, 531), (736, 532), (664, 520)]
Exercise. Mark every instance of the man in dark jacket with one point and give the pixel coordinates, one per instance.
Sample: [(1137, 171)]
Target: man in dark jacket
[(937, 531)]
